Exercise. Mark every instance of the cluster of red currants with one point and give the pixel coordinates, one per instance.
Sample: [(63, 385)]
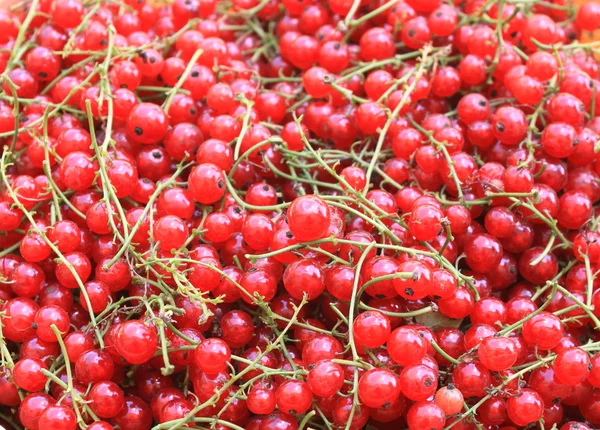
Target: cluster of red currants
[(299, 214)]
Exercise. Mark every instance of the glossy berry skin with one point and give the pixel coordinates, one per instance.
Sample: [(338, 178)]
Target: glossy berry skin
[(304, 277), (497, 353), (278, 420), (32, 407), (66, 235), (378, 387), (587, 16), (21, 313), (308, 218), (80, 264), (509, 125), (472, 379), (525, 408), (294, 397), (320, 347), (136, 414), (425, 222), (94, 366), (559, 139), (572, 366), (406, 346), (28, 375), (77, 171), (58, 417), (147, 123), (258, 283), (544, 330), (212, 355), (325, 378), (449, 399), (483, 253), (416, 281), (371, 329), (206, 183), (27, 279), (237, 328), (418, 382), (46, 317), (258, 231), (171, 232), (136, 341), (107, 399), (424, 415), (261, 400)]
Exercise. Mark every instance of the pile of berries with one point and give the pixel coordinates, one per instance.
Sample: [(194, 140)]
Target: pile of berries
[(299, 214)]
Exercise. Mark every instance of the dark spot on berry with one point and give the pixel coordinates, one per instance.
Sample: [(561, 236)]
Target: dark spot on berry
[(482, 103), (152, 60), (159, 78), (195, 74), (289, 234), (103, 42), (146, 180), (500, 127), (221, 183), (123, 85), (386, 405), (576, 142), (292, 411), (193, 111), (556, 401), (411, 33), (156, 155), (43, 75), (337, 46), (34, 326), (428, 382), (512, 270), (138, 131), (514, 34), (266, 188), (438, 14), (494, 93), (409, 292), (237, 210)]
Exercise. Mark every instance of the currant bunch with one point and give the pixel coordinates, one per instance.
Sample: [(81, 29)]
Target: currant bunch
[(291, 214)]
